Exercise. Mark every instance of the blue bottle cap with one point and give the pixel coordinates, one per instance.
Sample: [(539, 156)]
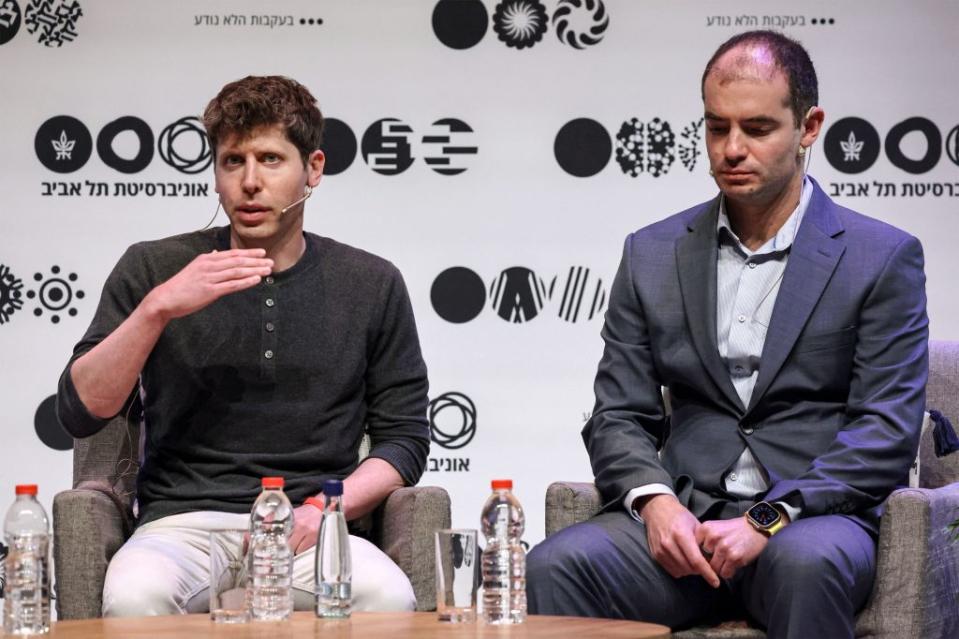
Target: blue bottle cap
[(333, 488)]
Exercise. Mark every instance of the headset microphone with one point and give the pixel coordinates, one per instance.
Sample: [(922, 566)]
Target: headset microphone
[(307, 192)]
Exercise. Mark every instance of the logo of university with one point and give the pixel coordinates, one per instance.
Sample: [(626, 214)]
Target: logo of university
[(63, 144), (458, 426), (386, 146), (580, 23), (10, 294), (851, 145), (520, 23), (53, 21)]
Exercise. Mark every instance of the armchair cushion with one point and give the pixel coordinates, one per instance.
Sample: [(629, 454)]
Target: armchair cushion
[(404, 528)]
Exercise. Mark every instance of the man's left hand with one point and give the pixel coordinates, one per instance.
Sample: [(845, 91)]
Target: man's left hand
[(306, 527), (732, 542)]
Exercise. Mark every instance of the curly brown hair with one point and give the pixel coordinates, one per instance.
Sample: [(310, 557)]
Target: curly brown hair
[(256, 101)]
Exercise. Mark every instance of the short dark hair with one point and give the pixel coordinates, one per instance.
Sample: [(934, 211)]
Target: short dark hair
[(255, 101), (790, 58)]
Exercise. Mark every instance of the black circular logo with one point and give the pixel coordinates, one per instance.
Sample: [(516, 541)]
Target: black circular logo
[(852, 145), (11, 293), (457, 428), (339, 146), (144, 136), (63, 144), (185, 146), (48, 427), (583, 147), (9, 20), (53, 21), (386, 146), (458, 294), (520, 23), (580, 23), (518, 295), (952, 145), (448, 145), (929, 130), (460, 24), (55, 294)]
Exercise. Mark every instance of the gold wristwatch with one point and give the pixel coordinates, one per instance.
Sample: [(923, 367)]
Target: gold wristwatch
[(765, 518)]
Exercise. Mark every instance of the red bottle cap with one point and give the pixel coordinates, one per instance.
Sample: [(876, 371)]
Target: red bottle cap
[(502, 484), (26, 489), (272, 482)]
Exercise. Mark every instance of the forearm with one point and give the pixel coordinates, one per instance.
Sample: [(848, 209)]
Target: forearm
[(368, 485), (105, 375)]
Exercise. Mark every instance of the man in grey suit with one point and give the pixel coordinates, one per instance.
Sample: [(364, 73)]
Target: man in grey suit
[(791, 335)]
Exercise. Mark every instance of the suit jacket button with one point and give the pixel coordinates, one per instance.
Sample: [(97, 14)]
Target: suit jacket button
[(747, 430)]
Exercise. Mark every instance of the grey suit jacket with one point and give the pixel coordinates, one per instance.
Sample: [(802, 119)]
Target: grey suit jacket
[(837, 407)]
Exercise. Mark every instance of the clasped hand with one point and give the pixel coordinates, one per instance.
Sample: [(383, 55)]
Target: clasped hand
[(683, 546)]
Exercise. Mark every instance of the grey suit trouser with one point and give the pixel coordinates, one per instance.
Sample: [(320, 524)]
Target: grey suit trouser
[(809, 581)]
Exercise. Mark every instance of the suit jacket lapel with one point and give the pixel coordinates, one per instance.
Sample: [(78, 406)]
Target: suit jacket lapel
[(812, 260), (696, 256)]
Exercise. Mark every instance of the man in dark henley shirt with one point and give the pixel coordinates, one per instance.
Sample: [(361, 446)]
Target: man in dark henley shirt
[(256, 349)]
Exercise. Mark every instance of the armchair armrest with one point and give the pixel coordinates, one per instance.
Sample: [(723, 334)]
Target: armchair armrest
[(89, 526), (404, 528), (569, 503), (917, 568)]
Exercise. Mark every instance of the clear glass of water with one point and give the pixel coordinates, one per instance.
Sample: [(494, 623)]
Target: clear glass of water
[(229, 577), (457, 575)]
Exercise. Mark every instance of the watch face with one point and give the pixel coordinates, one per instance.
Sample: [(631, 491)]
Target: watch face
[(763, 514)]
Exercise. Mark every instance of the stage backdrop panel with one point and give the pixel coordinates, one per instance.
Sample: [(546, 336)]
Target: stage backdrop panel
[(497, 152)]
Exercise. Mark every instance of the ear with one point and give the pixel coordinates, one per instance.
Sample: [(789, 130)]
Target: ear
[(811, 126), (314, 167)]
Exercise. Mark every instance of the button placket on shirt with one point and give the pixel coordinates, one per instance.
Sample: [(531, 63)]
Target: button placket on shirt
[(268, 340)]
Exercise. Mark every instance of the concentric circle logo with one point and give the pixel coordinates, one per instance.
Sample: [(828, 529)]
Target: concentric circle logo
[(185, 146), (55, 294), (457, 427)]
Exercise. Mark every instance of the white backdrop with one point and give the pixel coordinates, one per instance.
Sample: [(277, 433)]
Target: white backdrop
[(514, 206)]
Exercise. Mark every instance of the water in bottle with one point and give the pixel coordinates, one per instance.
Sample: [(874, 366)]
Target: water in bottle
[(271, 559), (504, 559), (26, 531), (334, 571)]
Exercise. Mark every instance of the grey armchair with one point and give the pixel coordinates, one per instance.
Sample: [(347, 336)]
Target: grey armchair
[(917, 577), (91, 522)]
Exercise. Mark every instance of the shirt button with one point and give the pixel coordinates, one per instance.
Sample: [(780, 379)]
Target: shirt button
[(741, 318), (269, 279), (747, 430), (732, 477), (752, 265), (268, 354), (270, 302), (269, 327)]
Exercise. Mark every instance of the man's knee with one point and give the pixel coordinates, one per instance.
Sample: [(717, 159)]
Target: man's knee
[(137, 592)]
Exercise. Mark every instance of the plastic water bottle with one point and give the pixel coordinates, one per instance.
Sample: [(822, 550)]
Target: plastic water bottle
[(334, 567), (271, 559), (504, 558), (26, 531)]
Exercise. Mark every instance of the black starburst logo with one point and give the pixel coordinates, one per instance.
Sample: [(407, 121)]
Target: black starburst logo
[(520, 23), (10, 294)]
